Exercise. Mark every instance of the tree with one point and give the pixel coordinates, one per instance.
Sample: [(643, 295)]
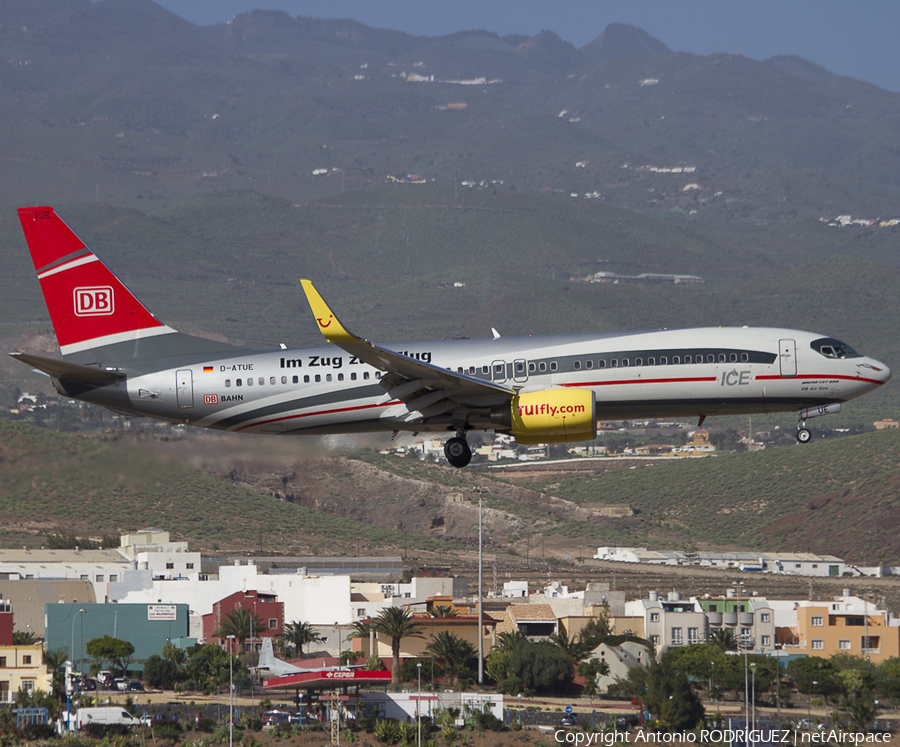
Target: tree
[(114, 650), (671, 699), (362, 629), (162, 673), (396, 623), (443, 610), (453, 652), (207, 665), (298, 634), (541, 666), (592, 670), (240, 623)]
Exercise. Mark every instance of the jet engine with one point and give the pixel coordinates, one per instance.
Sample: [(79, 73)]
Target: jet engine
[(554, 416)]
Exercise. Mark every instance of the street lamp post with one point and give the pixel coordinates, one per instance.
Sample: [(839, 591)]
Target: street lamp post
[(72, 657), (419, 707), (753, 703), (480, 595), (230, 639)]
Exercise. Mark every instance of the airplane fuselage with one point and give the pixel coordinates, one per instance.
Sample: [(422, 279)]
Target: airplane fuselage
[(664, 373)]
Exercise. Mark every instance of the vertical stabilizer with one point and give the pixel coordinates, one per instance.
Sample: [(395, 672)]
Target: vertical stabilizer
[(89, 306)]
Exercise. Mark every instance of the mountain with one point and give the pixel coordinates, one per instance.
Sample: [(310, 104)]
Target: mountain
[(620, 41), (122, 101)]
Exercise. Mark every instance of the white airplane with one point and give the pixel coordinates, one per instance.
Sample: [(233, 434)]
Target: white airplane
[(279, 667), (541, 389)]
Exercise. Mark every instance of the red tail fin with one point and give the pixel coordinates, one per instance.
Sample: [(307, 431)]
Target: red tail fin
[(89, 306)]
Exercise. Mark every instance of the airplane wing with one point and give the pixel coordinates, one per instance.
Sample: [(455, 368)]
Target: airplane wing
[(426, 390)]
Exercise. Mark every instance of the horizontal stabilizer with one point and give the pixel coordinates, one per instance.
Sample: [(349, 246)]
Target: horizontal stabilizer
[(70, 371)]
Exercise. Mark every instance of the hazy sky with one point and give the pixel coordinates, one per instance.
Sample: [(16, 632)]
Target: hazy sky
[(859, 40)]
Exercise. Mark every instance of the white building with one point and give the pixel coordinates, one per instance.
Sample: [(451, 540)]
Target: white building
[(99, 567), (319, 600)]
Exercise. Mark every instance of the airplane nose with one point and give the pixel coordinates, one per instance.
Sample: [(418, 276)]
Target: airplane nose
[(882, 372)]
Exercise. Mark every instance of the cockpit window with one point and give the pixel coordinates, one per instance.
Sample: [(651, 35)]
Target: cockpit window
[(831, 348)]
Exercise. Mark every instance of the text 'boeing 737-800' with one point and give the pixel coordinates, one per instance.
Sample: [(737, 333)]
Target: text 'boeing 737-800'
[(540, 389)]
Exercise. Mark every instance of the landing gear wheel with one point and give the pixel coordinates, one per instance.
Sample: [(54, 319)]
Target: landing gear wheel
[(457, 452), (804, 435)]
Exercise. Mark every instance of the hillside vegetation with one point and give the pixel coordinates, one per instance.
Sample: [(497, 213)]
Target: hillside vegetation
[(277, 496)]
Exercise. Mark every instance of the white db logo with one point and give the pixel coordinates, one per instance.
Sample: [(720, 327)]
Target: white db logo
[(94, 301)]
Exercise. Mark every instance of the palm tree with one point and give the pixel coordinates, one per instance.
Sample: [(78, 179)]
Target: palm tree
[(509, 639), (363, 630), (396, 623), (723, 638), (452, 651), (298, 634), (54, 661), (240, 623), (443, 610)]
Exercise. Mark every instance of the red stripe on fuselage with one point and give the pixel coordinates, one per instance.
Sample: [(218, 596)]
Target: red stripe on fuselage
[(690, 379), (776, 377), (317, 412)]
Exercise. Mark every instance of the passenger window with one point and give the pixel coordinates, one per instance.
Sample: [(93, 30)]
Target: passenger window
[(710, 358), (272, 380), (745, 357), (721, 357), (318, 378), (283, 379), (471, 370), (327, 377), (732, 357), (485, 370), (638, 362), (227, 383), (340, 377), (688, 359), (459, 369), (306, 379), (553, 365), (531, 368), (663, 361), (542, 366), (651, 361), (353, 376), (520, 367), (601, 364), (577, 365), (614, 363), (378, 375), (624, 362), (249, 382), (295, 379), (589, 364), (365, 375), (499, 369)]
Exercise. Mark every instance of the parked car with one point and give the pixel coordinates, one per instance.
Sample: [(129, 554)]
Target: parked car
[(134, 686), (273, 718), (87, 684), (106, 680)]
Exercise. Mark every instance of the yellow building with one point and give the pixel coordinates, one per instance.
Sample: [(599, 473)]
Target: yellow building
[(22, 668), (848, 625)]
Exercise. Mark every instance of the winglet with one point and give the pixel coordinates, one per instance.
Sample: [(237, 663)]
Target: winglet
[(329, 324)]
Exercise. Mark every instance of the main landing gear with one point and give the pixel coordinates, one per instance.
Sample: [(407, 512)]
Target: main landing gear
[(457, 451), (804, 434)]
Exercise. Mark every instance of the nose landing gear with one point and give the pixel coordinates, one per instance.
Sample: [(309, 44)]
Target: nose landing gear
[(457, 451), (804, 435)]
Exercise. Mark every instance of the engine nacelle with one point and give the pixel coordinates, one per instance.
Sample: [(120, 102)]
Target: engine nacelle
[(554, 416)]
